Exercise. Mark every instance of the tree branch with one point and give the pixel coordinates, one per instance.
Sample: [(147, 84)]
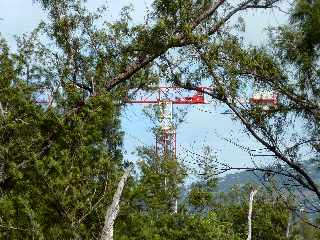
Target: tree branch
[(181, 41), (112, 212), (253, 192), (272, 148)]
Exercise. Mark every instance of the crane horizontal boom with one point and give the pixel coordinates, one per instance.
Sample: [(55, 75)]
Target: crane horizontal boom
[(175, 95)]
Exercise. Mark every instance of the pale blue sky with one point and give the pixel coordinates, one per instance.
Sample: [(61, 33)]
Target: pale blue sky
[(201, 128)]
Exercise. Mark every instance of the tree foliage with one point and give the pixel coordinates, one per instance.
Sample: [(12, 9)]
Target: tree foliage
[(269, 219), (60, 161)]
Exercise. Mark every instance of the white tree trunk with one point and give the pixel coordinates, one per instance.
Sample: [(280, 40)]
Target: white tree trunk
[(253, 192), (2, 111), (112, 212), (288, 226), (175, 206)]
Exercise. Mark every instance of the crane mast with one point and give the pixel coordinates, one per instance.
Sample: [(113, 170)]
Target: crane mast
[(166, 138), (165, 97)]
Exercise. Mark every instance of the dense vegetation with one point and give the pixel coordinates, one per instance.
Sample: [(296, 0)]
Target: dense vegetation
[(61, 97)]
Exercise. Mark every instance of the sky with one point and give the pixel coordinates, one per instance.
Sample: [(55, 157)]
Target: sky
[(204, 124)]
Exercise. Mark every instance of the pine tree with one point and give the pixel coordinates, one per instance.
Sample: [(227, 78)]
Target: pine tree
[(58, 163), (269, 217), (147, 213)]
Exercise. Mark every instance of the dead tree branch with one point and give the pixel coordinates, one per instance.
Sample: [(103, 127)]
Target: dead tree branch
[(253, 192), (112, 212)]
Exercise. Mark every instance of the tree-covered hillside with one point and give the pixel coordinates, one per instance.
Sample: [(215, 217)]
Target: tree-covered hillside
[(258, 178)]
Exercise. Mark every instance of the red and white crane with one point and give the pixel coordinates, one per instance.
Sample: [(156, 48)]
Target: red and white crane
[(166, 97)]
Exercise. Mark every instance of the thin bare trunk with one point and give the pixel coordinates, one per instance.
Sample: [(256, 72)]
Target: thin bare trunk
[(288, 225), (175, 206), (253, 192), (112, 212), (3, 113)]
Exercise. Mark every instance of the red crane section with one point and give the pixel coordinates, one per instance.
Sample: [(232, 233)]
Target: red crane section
[(166, 97), (175, 95), (264, 98)]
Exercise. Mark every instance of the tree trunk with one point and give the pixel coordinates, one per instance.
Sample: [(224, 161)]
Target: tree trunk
[(2, 111), (253, 192), (289, 225), (112, 212)]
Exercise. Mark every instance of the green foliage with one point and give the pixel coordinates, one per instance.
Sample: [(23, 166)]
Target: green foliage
[(174, 226), (296, 46), (147, 212), (306, 15), (60, 162), (160, 182), (269, 219), (57, 162), (201, 195)]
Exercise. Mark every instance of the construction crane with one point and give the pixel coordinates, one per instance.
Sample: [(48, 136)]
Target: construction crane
[(266, 98), (166, 97)]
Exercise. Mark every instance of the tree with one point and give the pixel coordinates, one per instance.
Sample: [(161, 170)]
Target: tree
[(160, 182), (269, 216), (201, 195), (113, 210), (180, 226), (147, 211), (291, 70), (60, 160)]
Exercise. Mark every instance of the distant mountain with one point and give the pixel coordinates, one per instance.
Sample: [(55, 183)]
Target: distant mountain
[(240, 179), (245, 177)]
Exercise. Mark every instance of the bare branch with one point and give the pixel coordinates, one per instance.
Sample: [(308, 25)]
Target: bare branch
[(181, 41), (112, 212), (253, 192), (306, 181), (15, 228), (2, 111)]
